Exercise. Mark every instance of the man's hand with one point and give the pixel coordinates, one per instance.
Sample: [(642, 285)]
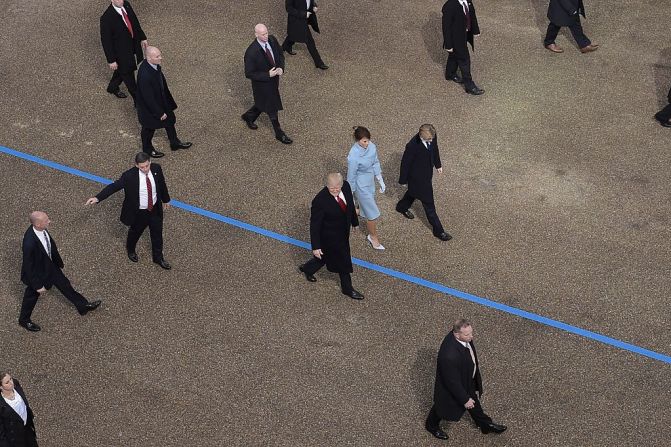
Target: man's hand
[(164, 117), (308, 15), (280, 72), (166, 205), (470, 404), (450, 50), (113, 66), (273, 72), (91, 201), (144, 44), (318, 253), (41, 290), (314, 9), (440, 170)]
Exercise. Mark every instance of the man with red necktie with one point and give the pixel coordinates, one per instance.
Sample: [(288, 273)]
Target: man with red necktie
[(460, 25), (145, 192), (123, 41)]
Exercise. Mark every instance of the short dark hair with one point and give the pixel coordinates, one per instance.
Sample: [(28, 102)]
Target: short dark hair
[(460, 324), (361, 132), (141, 157)]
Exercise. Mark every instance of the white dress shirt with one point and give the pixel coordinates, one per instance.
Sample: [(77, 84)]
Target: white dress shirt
[(468, 346), (464, 5), (121, 11), (342, 197), (18, 405), (42, 235), (143, 190)]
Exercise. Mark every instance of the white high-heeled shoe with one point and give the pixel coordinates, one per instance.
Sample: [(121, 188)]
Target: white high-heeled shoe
[(370, 241)]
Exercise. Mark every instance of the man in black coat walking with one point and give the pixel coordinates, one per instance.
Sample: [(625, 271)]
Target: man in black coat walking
[(155, 105), (123, 40), (302, 14), (264, 65), (331, 215), (420, 157), (460, 25), (42, 268), (145, 192), (458, 383), (567, 13), (663, 117)]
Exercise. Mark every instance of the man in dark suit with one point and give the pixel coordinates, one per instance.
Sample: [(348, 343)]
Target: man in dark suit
[(123, 41), (145, 192), (264, 65), (17, 422), (155, 105), (331, 215), (567, 13), (458, 383), (460, 24), (42, 269), (663, 117), (420, 157), (302, 15)]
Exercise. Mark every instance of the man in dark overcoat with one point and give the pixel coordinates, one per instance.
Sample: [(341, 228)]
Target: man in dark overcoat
[(458, 383), (14, 431), (663, 117), (331, 215), (123, 40), (460, 24), (420, 157), (567, 13), (264, 65), (42, 268), (145, 192), (155, 104), (302, 14)]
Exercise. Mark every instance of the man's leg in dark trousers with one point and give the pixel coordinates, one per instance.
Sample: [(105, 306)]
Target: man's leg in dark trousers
[(464, 62), (156, 235), (252, 114), (432, 217), (274, 119), (126, 78), (172, 135), (478, 414), (405, 203), (136, 229), (62, 283), (346, 283), (287, 45), (664, 115), (146, 135), (313, 265), (551, 34), (29, 301), (312, 48), (579, 35), (433, 420)]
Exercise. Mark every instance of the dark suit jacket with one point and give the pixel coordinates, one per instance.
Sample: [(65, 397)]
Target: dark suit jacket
[(117, 42), (153, 98), (330, 228), (130, 183), (417, 168), (454, 26), (12, 431), (297, 21), (266, 89), (565, 12), (454, 379), (37, 269)]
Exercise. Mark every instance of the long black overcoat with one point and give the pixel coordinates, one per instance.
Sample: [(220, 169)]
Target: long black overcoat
[(37, 269), (297, 21), (565, 12), (454, 379), (266, 90), (13, 433), (330, 228), (153, 98), (117, 42), (455, 35), (130, 183), (417, 168)]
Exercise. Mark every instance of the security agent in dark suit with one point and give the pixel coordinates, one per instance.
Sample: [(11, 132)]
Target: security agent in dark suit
[(123, 40), (17, 421), (460, 24), (567, 13), (41, 269), (155, 104), (331, 216), (145, 192), (458, 383), (302, 14), (663, 117), (420, 157), (264, 65)]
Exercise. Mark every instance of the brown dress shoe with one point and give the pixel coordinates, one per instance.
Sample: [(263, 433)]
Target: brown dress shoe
[(554, 48), (589, 48)]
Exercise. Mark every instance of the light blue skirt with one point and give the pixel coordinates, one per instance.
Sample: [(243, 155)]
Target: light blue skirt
[(367, 207)]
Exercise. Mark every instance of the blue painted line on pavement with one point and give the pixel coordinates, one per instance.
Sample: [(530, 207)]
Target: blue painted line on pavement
[(369, 265)]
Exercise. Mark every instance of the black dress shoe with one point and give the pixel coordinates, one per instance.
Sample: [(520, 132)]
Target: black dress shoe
[(156, 154), (290, 51), (308, 276), (284, 139), (444, 236), (118, 94), (133, 256), (438, 433), (251, 124), (493, 428), (407, 214), (456, 78), (475, 90), (164, 264), (354, 295), (662, 122), (89, 307), (32, 327), (181, 145), (322, 66)]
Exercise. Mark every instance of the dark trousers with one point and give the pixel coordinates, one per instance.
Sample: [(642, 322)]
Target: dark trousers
[(429, 208), (147, 134), (313, 265), (462, 61), (62, 283), (576, 31), (143, 220), (664, 115), (126, 78), (312, 48), (253, 113), (477, 414)]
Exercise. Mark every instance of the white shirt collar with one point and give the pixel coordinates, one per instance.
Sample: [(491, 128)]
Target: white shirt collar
[(155, 67), (263, 44), (119, 10)]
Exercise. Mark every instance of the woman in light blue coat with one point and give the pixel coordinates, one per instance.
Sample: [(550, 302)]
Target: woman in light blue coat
[(363, 167)]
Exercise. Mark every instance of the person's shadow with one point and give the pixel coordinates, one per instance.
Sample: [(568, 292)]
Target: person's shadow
[(662, 74), (432, 35), (422, 378)]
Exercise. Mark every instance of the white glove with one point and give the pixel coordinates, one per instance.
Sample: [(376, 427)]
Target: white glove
[(383, 187)]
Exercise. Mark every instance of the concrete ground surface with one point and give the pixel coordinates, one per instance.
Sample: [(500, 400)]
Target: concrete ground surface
[(555, 188)]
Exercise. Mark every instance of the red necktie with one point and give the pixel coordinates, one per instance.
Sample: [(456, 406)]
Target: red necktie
[(150, 198), (128, 24), (467, 11), (343, 205), (269, 55)]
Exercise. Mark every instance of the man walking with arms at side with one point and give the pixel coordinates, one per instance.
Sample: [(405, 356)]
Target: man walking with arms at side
[(302, 14), (460, 25), (567, 13)]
